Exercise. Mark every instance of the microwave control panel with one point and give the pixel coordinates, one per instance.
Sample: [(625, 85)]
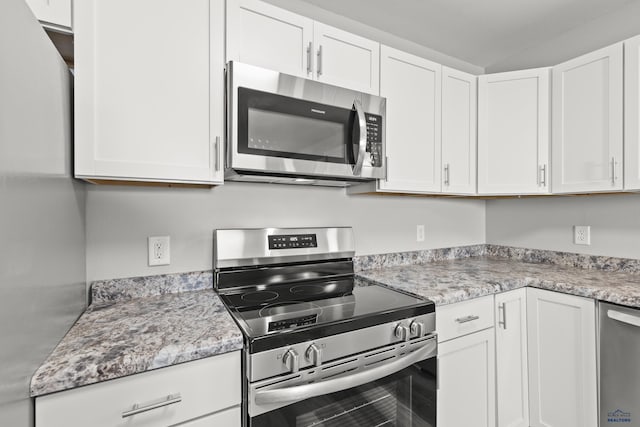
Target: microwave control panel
[(374, 138)]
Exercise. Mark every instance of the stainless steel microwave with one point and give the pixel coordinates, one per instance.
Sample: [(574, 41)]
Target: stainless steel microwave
[(291, 130)]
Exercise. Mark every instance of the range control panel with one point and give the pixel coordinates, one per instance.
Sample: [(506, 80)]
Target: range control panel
[(374, 138), (293, 241)]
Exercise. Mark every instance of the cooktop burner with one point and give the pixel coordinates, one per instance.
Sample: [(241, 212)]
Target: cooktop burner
[(249, 299)]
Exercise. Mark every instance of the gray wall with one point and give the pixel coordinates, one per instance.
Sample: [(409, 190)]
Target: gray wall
[(547, 223), (119, 220), (42, 210)]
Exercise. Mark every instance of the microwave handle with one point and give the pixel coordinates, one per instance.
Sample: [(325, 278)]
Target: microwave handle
[(362, 142)]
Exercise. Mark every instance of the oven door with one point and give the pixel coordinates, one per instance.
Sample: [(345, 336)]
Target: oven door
[(282, 124), (391, 386)]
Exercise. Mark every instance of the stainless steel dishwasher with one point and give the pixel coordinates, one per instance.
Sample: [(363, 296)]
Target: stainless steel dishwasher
[(619, 366)]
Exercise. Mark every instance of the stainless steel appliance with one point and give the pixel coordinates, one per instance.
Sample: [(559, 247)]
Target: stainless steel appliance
[(286, 129), (619, 365), (320, 348)]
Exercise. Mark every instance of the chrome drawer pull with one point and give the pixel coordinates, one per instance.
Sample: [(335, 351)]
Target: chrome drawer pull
[(166, 401), (467, 319)]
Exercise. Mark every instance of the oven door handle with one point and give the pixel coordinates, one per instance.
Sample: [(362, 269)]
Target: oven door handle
[(362, 141), (306, 391)]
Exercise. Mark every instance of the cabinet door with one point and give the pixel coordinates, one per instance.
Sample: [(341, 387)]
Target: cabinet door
[(513, 132), (466, 378), (632, 114), (459, 137), (269, 37), (412, 86), (56, 12), (346, 60), (562, 360), (512, 383), (587, 122), (141, 114)]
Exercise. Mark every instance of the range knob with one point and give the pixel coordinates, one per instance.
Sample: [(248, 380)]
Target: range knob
[(314, 355), (291, 360), (402, 332), (417, 329)]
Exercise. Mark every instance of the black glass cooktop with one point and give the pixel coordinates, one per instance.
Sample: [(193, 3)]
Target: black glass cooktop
[(277, 315)]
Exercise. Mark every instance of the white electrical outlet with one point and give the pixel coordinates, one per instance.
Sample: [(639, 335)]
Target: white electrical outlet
[(420, 233), (159, 250), (581, 234)]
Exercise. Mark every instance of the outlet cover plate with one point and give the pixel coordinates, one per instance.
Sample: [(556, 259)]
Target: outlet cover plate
[(159, 250), (420, 233), (581, 234)]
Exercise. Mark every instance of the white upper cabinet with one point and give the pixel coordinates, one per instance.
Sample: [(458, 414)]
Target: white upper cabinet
[(588, 122), (459, 137), (562, 360), (267, 36), (412, 86), (141, 114), (512, 378), (344, 59), (632, 114), (54, 13), (513, 132)]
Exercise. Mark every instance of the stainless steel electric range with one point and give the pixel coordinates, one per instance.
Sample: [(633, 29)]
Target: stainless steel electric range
[(321, 349)]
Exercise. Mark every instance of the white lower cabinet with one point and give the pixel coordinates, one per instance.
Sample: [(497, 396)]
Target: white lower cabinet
[(466, 364), (205, 392), (562, 360), (512, 379)]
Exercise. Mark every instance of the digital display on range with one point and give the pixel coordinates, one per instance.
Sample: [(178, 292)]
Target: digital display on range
[(279, 325), (293, 241)]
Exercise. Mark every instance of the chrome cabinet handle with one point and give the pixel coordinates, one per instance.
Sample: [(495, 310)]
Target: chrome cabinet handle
[(614, 178), (386, 168), (171, 399), (217, 154), (309, 58), (502, 308), (543, 175), (467, 319), (319, 62), (362, 142), (291, 360), (446, 174), (306, 391)]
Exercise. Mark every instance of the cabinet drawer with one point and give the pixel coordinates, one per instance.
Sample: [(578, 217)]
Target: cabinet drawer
[(204, 386), (226, 418), (463, 318)]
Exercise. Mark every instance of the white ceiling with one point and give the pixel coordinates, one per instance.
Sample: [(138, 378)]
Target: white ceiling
[(481, 32)]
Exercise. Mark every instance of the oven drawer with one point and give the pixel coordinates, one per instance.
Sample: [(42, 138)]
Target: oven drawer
[(462, 318), (178, 393)]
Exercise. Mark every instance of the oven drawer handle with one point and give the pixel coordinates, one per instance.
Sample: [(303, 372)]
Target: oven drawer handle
[(306, 391)]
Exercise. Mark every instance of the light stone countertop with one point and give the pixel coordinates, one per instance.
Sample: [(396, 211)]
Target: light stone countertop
[(451, 281), (115, 340)]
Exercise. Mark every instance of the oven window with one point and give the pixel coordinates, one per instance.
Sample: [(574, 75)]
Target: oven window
[(404, 399), (280, 126)]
